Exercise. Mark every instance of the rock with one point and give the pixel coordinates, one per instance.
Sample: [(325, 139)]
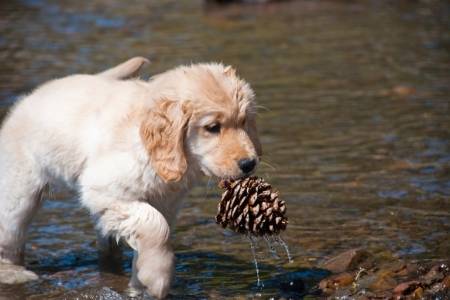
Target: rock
[(418, 293), (12, 274), (104, 293), (407, 288), (404, 269), (334, 282), (346, 261), (365, 295), (446, 282), (365, 282), (383, 282), (434, 275), (440, 287)]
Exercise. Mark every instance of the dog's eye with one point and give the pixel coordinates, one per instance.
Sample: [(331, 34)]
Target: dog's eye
[(213, 128)]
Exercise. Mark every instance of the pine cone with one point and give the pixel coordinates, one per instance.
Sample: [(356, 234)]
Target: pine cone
[(250, 206)]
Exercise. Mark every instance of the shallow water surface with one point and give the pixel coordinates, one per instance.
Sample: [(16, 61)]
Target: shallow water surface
[(354, 121)]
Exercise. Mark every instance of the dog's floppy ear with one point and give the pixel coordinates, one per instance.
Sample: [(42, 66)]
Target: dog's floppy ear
[(163, 131)]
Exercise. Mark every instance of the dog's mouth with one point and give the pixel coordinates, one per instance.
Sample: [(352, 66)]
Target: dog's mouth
[(240, 176)]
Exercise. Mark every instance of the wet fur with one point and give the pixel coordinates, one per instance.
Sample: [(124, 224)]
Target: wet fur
[(133, 149)]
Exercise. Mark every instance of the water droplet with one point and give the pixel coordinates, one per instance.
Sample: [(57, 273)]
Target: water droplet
[(253, 248), (280, 241), (272, 249)]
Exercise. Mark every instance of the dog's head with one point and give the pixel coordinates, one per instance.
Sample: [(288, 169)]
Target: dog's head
[(205, 116)]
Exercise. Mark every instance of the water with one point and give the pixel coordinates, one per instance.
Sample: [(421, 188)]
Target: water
[(272, 249), (269, 240), (355, 132), (255, 261), (280, 241)]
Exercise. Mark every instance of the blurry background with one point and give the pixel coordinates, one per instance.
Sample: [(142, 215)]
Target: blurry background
[(355, 129)]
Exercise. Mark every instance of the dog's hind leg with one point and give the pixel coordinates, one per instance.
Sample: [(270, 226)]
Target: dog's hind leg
[(21, 186), (109, 253)]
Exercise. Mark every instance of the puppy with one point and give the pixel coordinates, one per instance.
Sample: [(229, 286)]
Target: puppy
[(132, 148)]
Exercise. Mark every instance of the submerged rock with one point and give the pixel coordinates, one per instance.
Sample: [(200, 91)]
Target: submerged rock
[(393, 279), (346, 261), (436, 274), (384, 281), (334, 282), (446, 282), (406, 288), (104, 293)]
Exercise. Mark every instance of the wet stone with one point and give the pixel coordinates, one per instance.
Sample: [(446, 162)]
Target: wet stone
[(393, 280), (364, 295), (334, 282), (434, 275), (418, 293), (446, 282), (406, 269), (383, 282), (440, 287), (346, 261), (407, 288), (104, 293), (366, 282)]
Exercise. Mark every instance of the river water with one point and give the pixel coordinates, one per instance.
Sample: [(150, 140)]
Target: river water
[(354, 124)]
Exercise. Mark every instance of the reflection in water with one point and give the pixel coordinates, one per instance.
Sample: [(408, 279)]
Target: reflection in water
[(355, 130)]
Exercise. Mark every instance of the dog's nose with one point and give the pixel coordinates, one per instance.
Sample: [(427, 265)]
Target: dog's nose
[(247, 165)]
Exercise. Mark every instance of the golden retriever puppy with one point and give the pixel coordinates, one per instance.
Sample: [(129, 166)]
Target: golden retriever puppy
[(133, 149)]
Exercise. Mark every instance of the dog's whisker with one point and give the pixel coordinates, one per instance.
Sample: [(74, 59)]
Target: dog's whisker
[(263, 107), (207, 188), (269, 165)]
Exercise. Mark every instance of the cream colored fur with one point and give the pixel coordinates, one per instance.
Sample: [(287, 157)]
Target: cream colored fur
[(133, 148)]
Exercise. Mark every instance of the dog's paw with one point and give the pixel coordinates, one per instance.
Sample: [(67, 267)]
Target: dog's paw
[(12, 274), (134, 292)]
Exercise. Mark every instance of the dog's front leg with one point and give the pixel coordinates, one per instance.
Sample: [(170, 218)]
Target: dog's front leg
[(153, 267), (145, 229), (153, 261)]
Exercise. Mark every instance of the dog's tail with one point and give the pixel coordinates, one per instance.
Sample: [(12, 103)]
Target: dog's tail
[(127, 69)]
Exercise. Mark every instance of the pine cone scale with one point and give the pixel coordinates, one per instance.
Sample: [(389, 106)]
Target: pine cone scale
[(251, 206)]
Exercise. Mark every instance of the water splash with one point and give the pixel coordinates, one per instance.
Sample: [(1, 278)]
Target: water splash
[(272, 249), (253, 248), (280, 241)]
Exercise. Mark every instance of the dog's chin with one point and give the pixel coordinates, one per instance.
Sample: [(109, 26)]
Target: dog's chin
[(245, 175), (219, 175)]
